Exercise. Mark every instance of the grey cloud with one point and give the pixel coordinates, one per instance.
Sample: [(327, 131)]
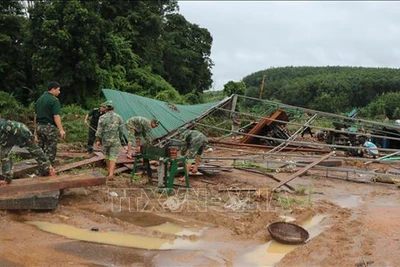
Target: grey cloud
[(251, 36)]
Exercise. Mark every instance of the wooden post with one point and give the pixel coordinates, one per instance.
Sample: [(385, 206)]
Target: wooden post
[(262, 86), (306, 168)]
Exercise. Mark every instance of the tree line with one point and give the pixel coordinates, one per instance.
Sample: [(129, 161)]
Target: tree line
[(374, 91), (148, 48), (142, 47)]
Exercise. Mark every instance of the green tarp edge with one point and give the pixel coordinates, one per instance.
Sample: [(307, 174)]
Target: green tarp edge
[(171, 116)]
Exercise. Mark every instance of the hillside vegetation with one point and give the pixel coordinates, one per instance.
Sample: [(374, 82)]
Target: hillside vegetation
[(142, 47), (375, 91), (148, 48)]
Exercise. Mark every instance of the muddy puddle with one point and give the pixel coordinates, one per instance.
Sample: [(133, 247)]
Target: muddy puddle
[(92, 254), (272, 252), (171, 228), (141, 219), (116, 238), (204, 250)]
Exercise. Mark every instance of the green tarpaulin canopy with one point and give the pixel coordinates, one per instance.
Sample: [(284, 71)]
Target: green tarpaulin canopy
[(171, 116)]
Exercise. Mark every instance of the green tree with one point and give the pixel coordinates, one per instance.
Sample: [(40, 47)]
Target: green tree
[(66, 37), (231, 87), (12, 53), (186, 58)]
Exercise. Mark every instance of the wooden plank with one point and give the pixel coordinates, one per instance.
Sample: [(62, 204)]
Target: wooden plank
[(42, 184), (71, 154), (266, 121), (23, 167), (384, 157), (47, 200), (79, 163), (387, 180), (326, 163), (302, 171), (289, 148), (266, 174), (122, 159), (121, 169), (130, 166)]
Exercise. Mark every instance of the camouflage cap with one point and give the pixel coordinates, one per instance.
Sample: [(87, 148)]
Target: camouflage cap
[(108, 104)]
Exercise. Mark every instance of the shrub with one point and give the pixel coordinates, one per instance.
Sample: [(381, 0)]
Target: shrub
[(11, 109), (73, 122)]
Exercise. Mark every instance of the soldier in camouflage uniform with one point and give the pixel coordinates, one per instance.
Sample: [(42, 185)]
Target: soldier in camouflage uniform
[(195, 143), (136, 127), (109, 135), (15, 133), (94, 116), (48, 118)]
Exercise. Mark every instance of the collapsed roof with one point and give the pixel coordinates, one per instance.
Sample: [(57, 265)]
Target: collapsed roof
[(171, 116)]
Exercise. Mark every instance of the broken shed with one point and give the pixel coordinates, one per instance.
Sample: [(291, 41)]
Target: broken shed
[(171, 116), (272, 125)]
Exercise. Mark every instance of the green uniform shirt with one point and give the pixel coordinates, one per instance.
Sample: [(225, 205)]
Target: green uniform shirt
[(15, 133), (195, 143), (94, 116), (15, 130), (46, 107), (110, 129), (139, 126)]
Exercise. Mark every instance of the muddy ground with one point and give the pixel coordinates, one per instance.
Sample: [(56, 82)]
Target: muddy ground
[(351, 224)]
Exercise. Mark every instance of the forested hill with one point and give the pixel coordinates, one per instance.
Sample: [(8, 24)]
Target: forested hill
[(139, 46), (331, 89)]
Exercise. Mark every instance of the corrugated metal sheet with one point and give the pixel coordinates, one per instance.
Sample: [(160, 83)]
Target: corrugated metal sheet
[(171, 116)]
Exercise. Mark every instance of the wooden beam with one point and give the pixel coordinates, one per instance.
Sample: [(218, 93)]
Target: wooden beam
[(326, 163), (302, 171), (266, 121), (23, 167), (80, 163), (47, 200), (384, 157), (266, 174), (42, 184), (289, 148), (387, 180), (72, 154), (121, 169)]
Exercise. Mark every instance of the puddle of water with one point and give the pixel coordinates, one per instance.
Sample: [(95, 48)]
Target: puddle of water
[(348, 201), (96, 255), (142, 219), (313, 226), (170, 228), (272, 252), (112, 237)]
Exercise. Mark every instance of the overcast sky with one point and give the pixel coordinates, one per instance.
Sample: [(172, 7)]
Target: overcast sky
[(255, 35)]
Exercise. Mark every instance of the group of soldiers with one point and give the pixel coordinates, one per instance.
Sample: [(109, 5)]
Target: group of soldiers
[(42, 144), (105, 131)]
